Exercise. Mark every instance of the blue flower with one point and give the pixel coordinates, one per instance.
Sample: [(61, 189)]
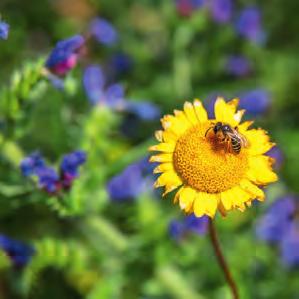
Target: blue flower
[(237, 65), (64, 56), (290, 247), (71, 162), (281, 226), (276, 153), (132, 181), (190, 224), (127, 185), (31, 164), (103, 31), (221, 10), (273, 226), (19, 253), (94, 83), (249, 25), (4, 29), (256, 101), (113, 95), (120, 63), (176, 230), (143, 109), (48, 179), (186, 7), (69, 167), (198, 225)]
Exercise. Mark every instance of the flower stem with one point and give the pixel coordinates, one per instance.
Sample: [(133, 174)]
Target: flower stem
[(221, 260)]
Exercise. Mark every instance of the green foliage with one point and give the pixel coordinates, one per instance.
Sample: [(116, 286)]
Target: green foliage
[(88, 246), (63, 255), (21, 86)]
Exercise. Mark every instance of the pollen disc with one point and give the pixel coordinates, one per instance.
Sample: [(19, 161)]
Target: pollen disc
[(204, 164)]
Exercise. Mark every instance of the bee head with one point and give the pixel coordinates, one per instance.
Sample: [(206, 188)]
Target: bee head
[(226, 128), (217, 127)]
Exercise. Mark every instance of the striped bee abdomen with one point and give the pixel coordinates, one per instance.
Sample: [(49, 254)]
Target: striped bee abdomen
[(236, 144)]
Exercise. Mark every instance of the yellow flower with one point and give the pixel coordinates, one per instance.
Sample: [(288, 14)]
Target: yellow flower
[(209, 173)]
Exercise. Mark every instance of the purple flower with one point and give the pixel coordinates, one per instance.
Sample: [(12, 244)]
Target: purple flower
[(120, 63), (237, 65), (273, 226), (71, 162), (144, 110), (256, 101), (94, 84), (190, 224), (69, 167), (276, 153), (65, 55), (249, 24), (4, 29), (290, 246), (103, 31), (48, 179), (196, 225), (176, 230), (113, 95), (31, 164), (281, 226), (186, 7), (127, 185), (221, 10), (19, 253)]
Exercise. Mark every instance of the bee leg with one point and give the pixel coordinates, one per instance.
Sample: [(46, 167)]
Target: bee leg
[(227, 145), (207, 131)]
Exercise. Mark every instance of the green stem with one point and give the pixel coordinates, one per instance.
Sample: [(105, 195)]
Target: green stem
[(221, 260)]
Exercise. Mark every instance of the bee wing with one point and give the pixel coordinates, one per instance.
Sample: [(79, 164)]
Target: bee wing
[(231, 134), (244, 141)]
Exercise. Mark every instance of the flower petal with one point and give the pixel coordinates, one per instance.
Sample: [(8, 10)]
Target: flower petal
[(163, 147), (163, 167), (225, 112), (190, 113), (175, 125), (205, 204), (252, 189), (200, 111), (169, 188), (168, 178), (161, 158), (260, 170), (181, 117), (159, 135), (243, 127), (186, 198), (234, 197), (259, 141)]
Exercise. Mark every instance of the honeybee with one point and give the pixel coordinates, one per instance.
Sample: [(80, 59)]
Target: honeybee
[(234, 140)]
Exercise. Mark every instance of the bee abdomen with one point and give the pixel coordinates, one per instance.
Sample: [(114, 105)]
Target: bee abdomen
[(236, 145)]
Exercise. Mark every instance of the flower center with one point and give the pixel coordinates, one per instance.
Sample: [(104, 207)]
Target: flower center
[(205, 164)]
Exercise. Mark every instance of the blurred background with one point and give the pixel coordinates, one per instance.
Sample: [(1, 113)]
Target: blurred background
[(78, 215)]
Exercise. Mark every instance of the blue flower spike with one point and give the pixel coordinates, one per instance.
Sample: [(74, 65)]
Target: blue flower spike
[(65, 55), (4, 30), (19, 253)]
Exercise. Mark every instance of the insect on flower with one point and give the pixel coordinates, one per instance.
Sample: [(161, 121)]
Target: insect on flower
[(229, 136), (206, 179)]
